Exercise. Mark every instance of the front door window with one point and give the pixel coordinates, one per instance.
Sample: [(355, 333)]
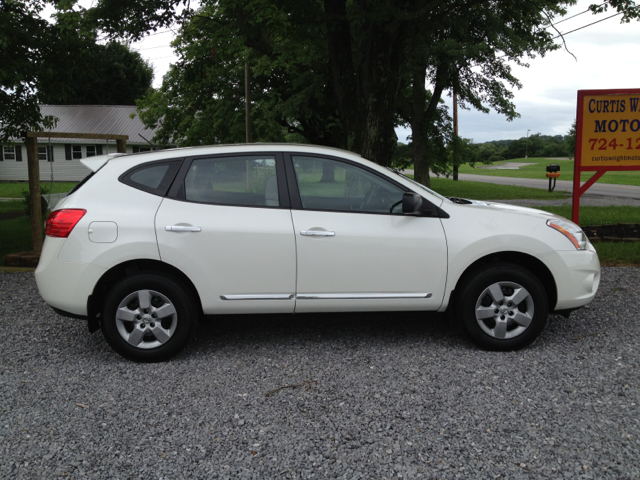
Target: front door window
[(327, 184)]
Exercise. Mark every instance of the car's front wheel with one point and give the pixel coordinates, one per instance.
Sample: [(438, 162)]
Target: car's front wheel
[(148, 317), (502, 307)]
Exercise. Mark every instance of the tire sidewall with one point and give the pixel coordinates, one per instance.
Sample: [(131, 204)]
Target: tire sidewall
[(170, 288), (480, 280)]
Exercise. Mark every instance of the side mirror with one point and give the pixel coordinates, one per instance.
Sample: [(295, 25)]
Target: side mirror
[(411, 203)]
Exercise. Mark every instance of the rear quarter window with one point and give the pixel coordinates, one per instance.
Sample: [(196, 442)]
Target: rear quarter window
[(155, 177)]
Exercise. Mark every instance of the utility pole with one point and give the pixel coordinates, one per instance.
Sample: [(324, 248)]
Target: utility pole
[(526, 148), (247, 102), (455, 135)]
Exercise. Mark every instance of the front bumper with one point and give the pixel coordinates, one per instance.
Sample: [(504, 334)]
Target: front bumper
[(577, 276)]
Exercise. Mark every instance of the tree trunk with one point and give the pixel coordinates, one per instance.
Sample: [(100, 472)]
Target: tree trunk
[(328, 175), (418, 127), (455, 135), (365, 92)]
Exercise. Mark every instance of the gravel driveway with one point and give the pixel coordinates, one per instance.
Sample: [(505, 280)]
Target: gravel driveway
[(383, 396)]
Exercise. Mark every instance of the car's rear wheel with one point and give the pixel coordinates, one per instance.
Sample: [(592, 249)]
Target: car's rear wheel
[(148, 317), (502, 307)]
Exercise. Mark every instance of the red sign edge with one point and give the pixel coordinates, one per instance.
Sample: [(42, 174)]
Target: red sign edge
[(578, 191)]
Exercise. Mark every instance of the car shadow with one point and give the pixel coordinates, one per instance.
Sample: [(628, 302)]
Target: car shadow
[(391, 327)]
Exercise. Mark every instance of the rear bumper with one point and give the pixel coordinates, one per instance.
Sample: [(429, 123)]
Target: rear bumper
[(65, 286)]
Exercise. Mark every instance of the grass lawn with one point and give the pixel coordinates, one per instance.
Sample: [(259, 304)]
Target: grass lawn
[(14, 189), (12, 206), (538, 170), (618, 254), (599, 215), (490, 191), (15, 236)]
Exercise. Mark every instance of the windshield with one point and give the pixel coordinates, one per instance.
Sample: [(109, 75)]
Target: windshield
[(397, 172)]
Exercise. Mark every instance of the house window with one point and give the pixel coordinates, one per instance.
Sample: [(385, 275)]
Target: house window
[(91, 151), (42, 154), (9, 153), (76, 151)]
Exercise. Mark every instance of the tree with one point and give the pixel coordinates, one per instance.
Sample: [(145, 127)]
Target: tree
[(571, 141), (202, 97), (58, 62), (110, 74), (28, 46), (366, 51)]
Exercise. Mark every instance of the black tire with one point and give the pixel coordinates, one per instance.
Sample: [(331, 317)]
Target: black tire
[(148, 317), (509, 325)]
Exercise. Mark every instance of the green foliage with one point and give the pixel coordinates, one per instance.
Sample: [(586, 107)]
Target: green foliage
[(27, 200), (27, 47), (58, 62), (402, 157), (570, 140), (536, 145), (202, 98), (110, 74), (335, 71)]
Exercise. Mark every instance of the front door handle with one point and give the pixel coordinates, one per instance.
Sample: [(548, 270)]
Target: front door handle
[(317, 233), (182, 228)]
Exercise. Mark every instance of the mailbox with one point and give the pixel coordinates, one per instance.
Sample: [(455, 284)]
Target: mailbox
[(553, 172)]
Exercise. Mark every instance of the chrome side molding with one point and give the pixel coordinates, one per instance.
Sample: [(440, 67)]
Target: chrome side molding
[(359, 296), (267, 296)]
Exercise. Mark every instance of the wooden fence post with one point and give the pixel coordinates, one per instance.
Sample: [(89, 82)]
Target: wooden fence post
[(34, 193), (121, 146)]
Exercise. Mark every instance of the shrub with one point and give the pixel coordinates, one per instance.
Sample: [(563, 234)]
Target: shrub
[(43, 203)]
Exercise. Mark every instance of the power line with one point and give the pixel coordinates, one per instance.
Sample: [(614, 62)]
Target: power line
[(573, 16), (151, 48), (155, 33), (160, 58), (585, 26)]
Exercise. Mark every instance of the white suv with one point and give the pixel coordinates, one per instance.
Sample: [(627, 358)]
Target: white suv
[(150, 242)]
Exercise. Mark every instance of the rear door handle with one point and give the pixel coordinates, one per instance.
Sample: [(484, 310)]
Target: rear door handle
[(182, 228), (317, 233)]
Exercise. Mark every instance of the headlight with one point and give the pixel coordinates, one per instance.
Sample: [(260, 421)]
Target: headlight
[(570, 230)]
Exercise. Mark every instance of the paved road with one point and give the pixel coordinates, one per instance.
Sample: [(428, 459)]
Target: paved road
[(605, 189)]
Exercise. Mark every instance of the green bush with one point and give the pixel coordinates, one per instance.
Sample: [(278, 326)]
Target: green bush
[(43, 203)]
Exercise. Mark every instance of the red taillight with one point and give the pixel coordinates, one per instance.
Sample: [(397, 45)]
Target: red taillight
[(61, 222)]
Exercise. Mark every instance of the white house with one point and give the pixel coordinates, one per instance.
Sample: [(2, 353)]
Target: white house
[(61, 156)]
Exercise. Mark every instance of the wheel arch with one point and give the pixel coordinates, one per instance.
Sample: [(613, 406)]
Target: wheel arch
[(531, 263), (129, 268)]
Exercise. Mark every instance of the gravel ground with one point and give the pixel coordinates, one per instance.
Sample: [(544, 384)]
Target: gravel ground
[(387, 396)]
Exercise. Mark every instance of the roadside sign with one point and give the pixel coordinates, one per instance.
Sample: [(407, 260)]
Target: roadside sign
[(607, 136)]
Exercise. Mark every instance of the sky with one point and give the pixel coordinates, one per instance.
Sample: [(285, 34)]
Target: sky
[(606, 57)]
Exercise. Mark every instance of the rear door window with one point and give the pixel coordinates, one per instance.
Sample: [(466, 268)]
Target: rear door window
[(250, 180)]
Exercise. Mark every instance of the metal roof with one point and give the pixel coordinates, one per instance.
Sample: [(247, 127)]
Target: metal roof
[(105, 119)]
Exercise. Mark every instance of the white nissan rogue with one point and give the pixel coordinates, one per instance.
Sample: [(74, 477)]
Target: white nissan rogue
[(150, 242)]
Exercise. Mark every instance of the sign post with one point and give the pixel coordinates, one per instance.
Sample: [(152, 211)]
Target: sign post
[(607, 136)]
